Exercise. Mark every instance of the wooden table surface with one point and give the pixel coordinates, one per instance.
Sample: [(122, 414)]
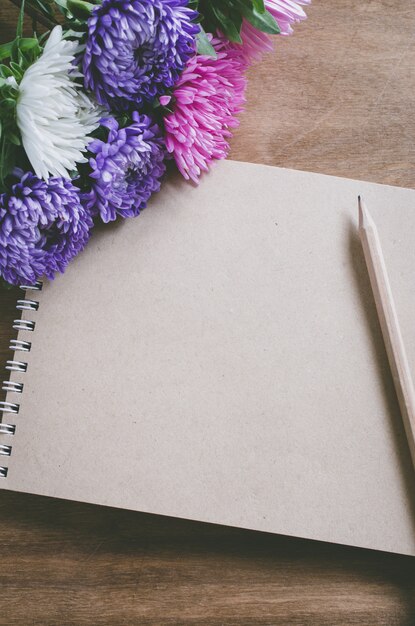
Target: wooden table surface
[(338, 97)]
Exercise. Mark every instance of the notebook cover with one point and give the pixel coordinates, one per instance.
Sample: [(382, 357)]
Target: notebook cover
[(220, 359)]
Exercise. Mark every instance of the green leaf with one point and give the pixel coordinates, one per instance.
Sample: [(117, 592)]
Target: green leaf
[(226, 25), (14, 55), (80, 9), (5, 50), (43, 37), (8, 103), (15, 68), (7, 159), (20, 20), (45, 8), (259, 5), (77, 26), (28, 43), (15, 139), (264, 22), (204, 46), (5, 71), (30, 50), (236, 19), (73, 34)]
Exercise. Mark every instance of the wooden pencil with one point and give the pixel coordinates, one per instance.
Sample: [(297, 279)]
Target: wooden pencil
[(389, 322)]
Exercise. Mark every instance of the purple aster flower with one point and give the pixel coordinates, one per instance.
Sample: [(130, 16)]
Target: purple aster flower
[(42, 227), (126, 168), (136, 49)]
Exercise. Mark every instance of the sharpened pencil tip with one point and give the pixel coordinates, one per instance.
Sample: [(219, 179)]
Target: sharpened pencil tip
[(365, 219)]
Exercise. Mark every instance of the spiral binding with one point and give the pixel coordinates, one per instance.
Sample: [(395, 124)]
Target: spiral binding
[(17, 345)]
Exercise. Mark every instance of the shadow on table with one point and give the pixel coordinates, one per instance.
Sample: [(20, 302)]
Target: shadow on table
[(85, 544)]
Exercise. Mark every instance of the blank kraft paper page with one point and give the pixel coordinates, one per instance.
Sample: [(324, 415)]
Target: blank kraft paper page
[(220, 359)]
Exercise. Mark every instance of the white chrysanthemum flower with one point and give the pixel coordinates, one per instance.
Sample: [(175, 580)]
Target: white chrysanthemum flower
[(53, 115)]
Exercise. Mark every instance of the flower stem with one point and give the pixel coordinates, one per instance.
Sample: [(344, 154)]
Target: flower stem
[(36, 15)]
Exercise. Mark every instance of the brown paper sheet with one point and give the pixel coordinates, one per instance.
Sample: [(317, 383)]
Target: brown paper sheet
[(219, 359)]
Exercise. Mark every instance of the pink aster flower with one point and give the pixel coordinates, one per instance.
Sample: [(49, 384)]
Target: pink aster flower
[(256, 43), (207, 99)]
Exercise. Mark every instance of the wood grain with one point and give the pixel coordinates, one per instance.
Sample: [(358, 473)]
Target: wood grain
[(335, 98)]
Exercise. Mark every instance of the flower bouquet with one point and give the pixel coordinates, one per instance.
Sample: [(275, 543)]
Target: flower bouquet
[(92, 110)]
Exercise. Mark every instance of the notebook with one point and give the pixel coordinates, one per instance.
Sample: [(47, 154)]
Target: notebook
[(219, 359)]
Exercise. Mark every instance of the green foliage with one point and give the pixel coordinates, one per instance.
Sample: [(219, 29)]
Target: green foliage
[(262, 20), (75, 12), (203, 44), (79, 9), (44, 7), (15, 57), (26, 45), (226, 16)]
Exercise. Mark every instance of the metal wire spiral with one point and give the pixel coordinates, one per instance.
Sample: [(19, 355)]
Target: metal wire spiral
[(15, 365)]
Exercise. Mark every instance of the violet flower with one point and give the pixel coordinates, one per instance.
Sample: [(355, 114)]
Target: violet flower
[(126, 168), (43, 226), (136, 49)]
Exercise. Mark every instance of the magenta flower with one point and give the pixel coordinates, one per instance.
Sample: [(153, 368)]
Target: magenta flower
[(208, 97), (256, 43)]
